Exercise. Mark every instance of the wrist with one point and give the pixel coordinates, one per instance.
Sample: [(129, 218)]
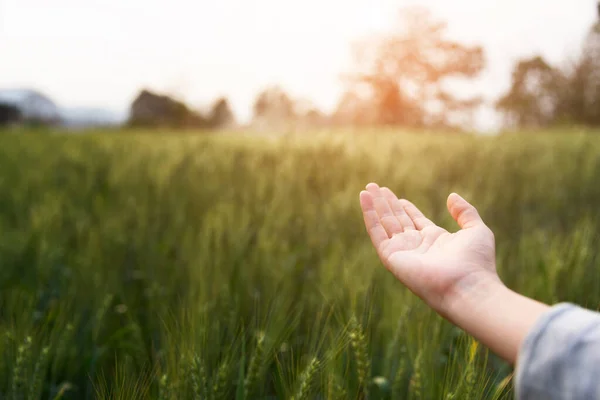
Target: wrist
[(472, 293), (495, 315)]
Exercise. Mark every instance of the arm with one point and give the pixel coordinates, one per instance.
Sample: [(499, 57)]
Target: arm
[(556, 349), (454, 273), (496, 316)]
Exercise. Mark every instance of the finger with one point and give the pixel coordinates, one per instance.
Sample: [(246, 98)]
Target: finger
[(389, 221), (416, 215), (397, 209), (464, 213), (372, 223)]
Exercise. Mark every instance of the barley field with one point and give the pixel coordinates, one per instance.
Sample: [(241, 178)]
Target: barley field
[(141, 265)]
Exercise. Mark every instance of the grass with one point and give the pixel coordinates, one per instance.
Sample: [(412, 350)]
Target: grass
[(219, 267)]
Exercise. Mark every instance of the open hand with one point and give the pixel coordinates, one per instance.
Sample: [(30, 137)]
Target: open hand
[(433, 263)]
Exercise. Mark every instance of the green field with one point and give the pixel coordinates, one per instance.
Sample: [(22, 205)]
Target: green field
[(178, 266)]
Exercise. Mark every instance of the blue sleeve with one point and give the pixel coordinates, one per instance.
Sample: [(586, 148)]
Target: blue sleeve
[(560, 358)]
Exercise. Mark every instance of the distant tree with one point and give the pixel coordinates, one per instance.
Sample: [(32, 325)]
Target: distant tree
[(274, 109), (535, 96), (456, 113), (582, 99), (307, 115), (314, 118), (274, 103), (354, 109), (9, 114), (541, 95), (406, 71), (154, 110), (392, 105), (221, 115)]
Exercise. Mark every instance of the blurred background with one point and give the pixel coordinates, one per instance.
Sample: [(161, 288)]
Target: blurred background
[(204, 239), (464, 64)]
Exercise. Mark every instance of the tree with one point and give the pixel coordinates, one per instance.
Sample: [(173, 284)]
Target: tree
[(274, 104), (535, 96), (541, 95), (314, 118), (405, 72), (153, 110), (307, 115), (354, 109), (274, 109), (221, 114), (582, 100)]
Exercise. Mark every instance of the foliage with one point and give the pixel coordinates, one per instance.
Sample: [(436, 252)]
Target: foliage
[(274, 105), (582, 98), (405, 73), (221, 115), (173, 267), (154, 110), (542, 95), (534, 97)]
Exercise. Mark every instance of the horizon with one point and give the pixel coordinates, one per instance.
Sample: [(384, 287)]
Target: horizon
[(101, 54)]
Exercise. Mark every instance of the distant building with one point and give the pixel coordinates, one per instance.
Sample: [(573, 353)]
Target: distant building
[(9, 115), (34, 107)]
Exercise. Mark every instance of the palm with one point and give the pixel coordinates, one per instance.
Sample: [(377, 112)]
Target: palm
[(429, 260)]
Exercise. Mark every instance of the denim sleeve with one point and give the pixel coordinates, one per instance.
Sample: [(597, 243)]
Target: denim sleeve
[(560, 357)]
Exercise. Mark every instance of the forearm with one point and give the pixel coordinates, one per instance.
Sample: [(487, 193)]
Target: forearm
[(495, 315)]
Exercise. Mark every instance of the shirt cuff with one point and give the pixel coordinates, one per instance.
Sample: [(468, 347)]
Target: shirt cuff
[(559, 357)]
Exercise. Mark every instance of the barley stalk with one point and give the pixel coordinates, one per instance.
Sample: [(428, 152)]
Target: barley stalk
[(18, 378), (64, 388), (334, 389), (163, 388), (358, 342), (470, 372), (255, 366), (330, 386), (502, 387), (307, 380), (416, 384), (220, 381), (397, 386), (198, 378), (39, 373)]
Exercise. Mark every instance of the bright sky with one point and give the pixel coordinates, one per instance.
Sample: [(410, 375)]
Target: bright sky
[(99, 53)]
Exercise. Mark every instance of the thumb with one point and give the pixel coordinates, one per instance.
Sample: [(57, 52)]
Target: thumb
[(464, 213)]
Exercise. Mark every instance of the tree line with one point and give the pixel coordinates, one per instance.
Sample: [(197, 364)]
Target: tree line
[(543, 95), (403, 79), (398, 79)]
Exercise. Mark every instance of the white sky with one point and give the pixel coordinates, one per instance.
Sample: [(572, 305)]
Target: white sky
[(99, 53)]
